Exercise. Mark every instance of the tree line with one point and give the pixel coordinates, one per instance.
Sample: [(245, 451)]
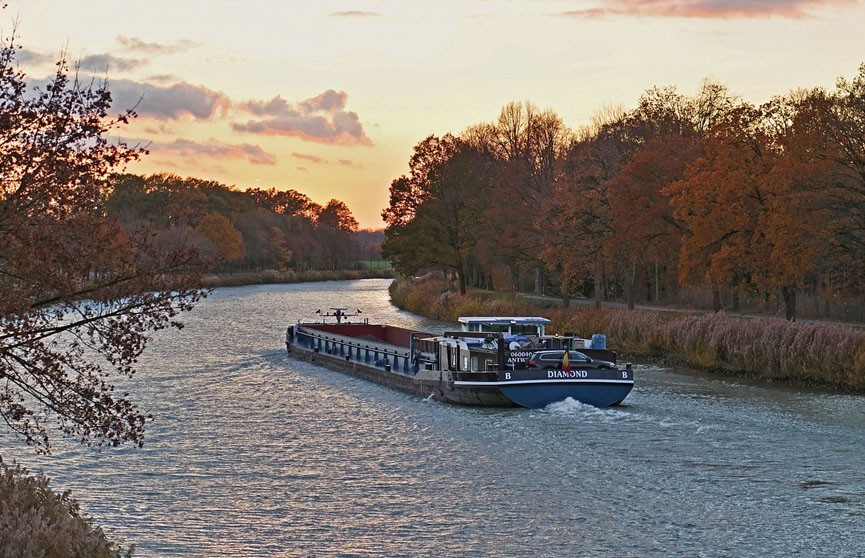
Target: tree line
[(750, 204), (241, 230)]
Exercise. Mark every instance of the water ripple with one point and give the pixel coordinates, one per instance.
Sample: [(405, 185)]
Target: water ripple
[(254, 454)]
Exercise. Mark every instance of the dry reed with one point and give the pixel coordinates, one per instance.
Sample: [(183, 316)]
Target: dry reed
[(36, 522), (808, 352)]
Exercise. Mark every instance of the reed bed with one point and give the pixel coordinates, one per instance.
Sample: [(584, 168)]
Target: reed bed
[(815, 353), (36, 522)]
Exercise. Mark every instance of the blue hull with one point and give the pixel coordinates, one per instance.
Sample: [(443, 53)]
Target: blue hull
[(537, 396)]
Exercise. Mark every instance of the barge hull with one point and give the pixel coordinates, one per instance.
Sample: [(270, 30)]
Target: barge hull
[(437, 388)]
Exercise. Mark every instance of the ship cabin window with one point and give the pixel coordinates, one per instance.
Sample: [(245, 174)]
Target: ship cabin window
[(505, 329), (474, 364), (465, 364)]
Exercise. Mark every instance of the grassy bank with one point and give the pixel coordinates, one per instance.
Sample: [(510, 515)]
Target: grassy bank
[(237, 279), (812, 353)]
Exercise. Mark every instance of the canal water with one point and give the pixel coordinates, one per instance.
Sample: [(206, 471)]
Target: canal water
[(253, 454)]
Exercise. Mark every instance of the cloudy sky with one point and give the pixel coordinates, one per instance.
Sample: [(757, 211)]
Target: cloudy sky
[(329, 97)]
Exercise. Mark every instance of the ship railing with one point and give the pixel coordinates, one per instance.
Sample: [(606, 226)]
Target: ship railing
[(380, 353)]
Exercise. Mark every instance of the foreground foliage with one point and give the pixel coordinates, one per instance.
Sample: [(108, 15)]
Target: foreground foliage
[(769, 348), (79, 296), (36, 522)]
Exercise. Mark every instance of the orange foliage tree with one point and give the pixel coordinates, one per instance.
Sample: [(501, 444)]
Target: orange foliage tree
[(720, 202), (578, 222), (749, 202), (222, 238)]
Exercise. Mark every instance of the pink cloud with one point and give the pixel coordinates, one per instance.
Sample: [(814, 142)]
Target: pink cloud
[(320, 119), (139, 45), (350, 163), (329, 101), (216, 149), (710, 9), (311, 158), (355, 13), (169, 102)]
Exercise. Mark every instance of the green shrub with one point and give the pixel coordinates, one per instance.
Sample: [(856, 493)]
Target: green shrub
[(35, 522)]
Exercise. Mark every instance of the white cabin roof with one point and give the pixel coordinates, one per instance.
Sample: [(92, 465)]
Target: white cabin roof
[(505, 320)]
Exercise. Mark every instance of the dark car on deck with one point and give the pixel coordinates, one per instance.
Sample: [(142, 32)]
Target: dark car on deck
[(553, 359)]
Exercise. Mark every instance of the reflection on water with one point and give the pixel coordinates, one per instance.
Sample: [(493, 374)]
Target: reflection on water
[(254, 454)]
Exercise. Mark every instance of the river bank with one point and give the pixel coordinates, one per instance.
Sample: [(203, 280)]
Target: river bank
[(814, 353)]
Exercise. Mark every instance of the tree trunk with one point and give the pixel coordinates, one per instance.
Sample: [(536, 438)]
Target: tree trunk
[(539, 280), (566, 297), (789, 296), (657, 284), (631, 286), (716, 298), (599, 281)]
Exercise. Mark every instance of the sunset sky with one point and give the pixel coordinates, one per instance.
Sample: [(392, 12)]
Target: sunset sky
[(329, 97)]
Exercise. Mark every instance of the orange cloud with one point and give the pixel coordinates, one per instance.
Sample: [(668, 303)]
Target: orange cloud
[(710, 9)]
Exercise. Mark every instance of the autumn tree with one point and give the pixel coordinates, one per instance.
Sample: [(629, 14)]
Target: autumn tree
[(450, 216), (156, 202), (644, 233), (79, 296), (794, 231), (844, 187), (222, 238), (578, 223), (665, 131), (721, 202), (286, 202), (405, 238), (181, 203), (265, 238), (442, 231), (528, 145), (335, 230)]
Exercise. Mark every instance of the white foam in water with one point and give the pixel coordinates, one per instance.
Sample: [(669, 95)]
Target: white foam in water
[(571, 406)]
